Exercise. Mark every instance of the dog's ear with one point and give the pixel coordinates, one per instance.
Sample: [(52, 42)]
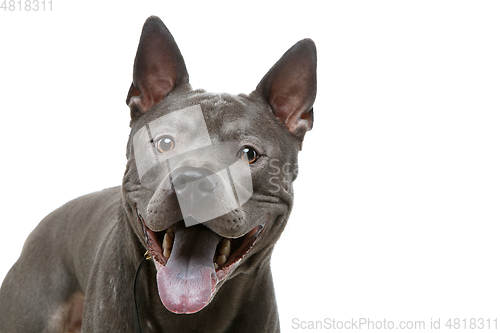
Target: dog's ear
[(290, 87), (158, 68)]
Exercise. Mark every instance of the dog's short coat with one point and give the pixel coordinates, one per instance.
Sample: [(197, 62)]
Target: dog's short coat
[(76, 271)]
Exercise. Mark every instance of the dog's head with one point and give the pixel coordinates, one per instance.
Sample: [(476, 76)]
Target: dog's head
[(208, 185)]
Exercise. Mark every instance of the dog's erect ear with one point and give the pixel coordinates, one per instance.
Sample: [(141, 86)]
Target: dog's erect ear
[(158, 67), (290, 87)]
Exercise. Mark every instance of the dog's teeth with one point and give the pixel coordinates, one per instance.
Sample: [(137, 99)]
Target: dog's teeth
[(168, 241), (166, 253), (170, 230), (216, 266), (221, 260), (225, 247)]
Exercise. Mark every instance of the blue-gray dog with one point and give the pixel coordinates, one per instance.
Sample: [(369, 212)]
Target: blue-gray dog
[(200, 198)]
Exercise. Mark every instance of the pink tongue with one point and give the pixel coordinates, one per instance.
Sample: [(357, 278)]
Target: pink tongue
[(185, 284)]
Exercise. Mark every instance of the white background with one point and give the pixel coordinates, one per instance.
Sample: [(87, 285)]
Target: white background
[(397, 202)]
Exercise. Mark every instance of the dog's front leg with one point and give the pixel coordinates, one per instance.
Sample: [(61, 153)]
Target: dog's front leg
[(40, 293), (109, 304)]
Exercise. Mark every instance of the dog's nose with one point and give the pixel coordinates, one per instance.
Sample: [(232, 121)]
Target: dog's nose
[(194, 183)]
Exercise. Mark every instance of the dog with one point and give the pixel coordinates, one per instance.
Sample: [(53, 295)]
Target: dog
[(184, 244)]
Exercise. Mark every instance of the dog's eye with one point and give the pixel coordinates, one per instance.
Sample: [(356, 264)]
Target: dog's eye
[(247, 154), (164, 143)]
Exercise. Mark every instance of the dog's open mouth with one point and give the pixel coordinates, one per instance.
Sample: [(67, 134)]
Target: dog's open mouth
[(192, 261)]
